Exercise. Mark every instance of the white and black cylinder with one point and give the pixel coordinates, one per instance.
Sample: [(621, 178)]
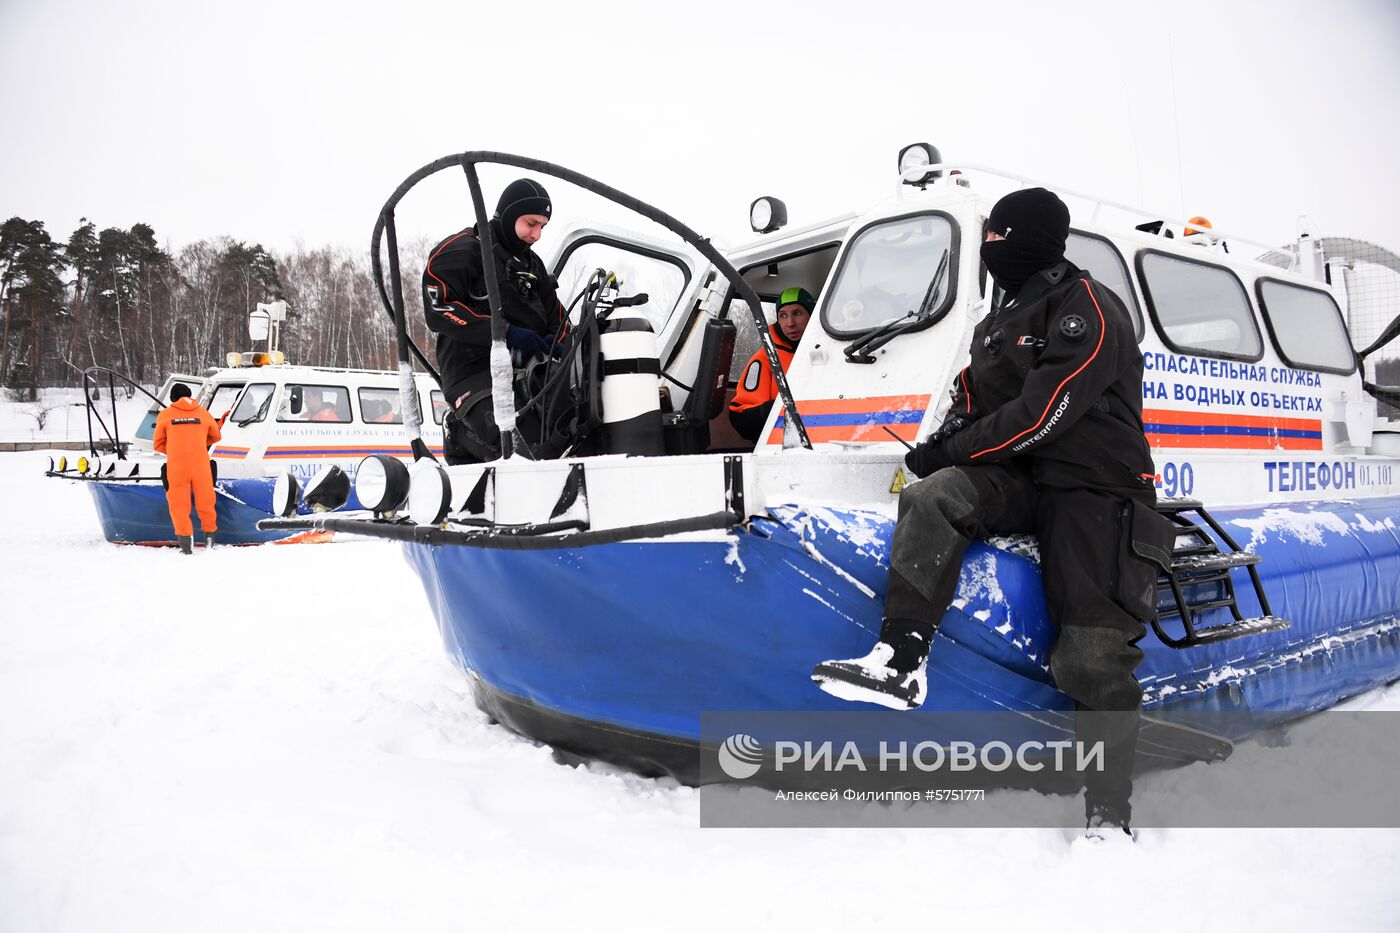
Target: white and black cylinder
[(631, 378)]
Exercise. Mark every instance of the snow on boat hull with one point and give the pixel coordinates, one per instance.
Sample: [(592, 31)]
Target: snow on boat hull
[(615, 650), (134, 513)]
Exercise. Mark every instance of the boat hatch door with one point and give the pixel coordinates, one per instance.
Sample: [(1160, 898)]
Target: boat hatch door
[(670, 273)]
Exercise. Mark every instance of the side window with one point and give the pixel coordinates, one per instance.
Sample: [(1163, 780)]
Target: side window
[(662, 277), (1307, 327), (1199, 307), (326, 404), (1098, 257), (254, 404), (439, 405), (380, 406), (746, 340)]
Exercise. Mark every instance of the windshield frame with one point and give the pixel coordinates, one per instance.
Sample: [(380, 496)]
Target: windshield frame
[(646, 252), (936, 315)]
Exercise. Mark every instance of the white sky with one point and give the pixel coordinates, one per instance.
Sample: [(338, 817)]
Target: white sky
[(278, 122)]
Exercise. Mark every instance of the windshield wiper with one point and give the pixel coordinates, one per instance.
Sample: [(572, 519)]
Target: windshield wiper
[(861, 351), (259, 414)]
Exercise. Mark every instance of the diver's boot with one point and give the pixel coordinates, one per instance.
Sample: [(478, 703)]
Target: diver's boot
[(1104, 823), (186, 543), (208, 540), (891, 675)]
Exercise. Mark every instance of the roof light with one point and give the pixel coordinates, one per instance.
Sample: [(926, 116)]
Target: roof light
[(767, 214), (1194, 223), (232, 359), (916, 156)]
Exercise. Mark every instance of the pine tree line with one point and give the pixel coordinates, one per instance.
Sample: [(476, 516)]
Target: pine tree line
[(116, 298)]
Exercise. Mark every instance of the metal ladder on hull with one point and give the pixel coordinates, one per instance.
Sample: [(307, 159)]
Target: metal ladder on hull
[(1197, 562)]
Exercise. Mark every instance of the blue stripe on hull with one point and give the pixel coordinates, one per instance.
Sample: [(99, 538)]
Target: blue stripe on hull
[(1229, 430)]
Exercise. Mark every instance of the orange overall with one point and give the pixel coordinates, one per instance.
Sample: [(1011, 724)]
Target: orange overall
[(184, 432)]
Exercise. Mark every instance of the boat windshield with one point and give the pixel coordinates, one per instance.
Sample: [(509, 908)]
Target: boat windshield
[(221, 399), (891, 271), (254, 404)]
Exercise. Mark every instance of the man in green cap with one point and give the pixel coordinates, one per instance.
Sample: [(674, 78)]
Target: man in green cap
[(757, 387)]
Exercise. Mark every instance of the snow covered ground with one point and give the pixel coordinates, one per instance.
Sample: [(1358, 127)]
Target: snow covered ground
[(64, 416), (272, 739)]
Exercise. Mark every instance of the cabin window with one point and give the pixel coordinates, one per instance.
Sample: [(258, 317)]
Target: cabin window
[(746, 340), (439, 403), (1101, 259), (891, 270), (1199, 307), (324, 404), (806, 269), (662, 277), (221, 402), (254, 404), (380, 406), (1307, 327)]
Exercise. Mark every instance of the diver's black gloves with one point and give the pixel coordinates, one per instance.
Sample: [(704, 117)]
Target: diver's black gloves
[(928, 458), (527, 341), (932, 455)]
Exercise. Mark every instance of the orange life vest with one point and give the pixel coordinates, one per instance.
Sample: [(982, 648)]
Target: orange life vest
[(756, 384)]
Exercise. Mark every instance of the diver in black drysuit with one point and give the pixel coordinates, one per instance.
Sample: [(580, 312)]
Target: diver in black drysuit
[(1044, 435), (456, 308)]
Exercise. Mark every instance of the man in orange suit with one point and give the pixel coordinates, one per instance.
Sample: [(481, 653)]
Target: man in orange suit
[(184, 433)]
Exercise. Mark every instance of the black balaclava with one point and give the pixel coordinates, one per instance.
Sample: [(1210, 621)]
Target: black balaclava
[(178, 391), (522, 196), (1035, 225)]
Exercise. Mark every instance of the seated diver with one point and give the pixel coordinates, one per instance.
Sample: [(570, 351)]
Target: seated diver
[(457, 310), (757, 387)]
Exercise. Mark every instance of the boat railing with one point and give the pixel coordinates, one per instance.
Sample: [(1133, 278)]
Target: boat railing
[(91, 389), (1164, 219)]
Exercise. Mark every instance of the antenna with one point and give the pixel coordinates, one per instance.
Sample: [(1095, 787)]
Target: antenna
[(1176, 122)]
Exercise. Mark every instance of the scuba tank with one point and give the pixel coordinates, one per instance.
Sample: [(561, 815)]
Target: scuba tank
[(631, 396)]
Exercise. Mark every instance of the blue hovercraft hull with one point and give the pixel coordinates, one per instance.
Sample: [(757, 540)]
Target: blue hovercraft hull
[(615, 650), (133, 513)]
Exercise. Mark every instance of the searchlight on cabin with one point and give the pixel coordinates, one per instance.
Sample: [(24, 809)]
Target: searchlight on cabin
[(916, 156), (767, 214)]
